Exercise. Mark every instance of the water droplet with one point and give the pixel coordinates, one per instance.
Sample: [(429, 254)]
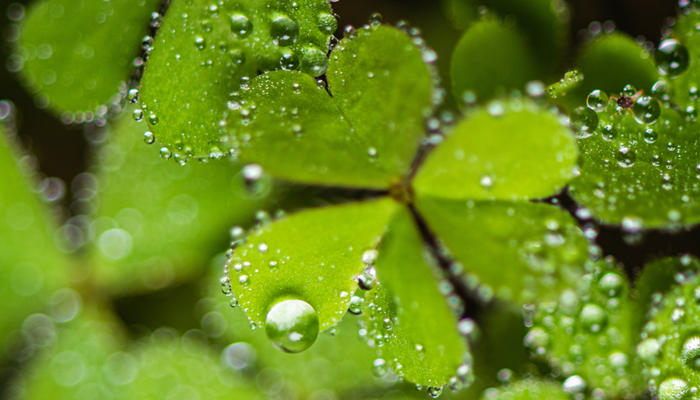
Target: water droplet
[(646, 110), (327, 23), (149, 137), (597, 100), (584, 121), (691, 352), (672, 57), (593, 317), (289, 61), (626, 157), (574, 384), (650, 136), (137, 114), (240, 25), (284, 31), (313, 61), (486, 181), (379, 367), (355, 306), (672, 389), (367, 279), (434, 391), (132, 95), (292, 325), (200, 42), (611, 283)]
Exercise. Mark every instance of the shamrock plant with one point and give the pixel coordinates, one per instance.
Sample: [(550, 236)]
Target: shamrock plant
[(435, 216)]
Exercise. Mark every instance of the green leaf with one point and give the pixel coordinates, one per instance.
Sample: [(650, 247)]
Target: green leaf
[(219, 47), (175, 368), (77, 358), (520, 152), (589, 333), (31, 266), (570, 81), (299, 134), (406, 311), (671, 346), (659, 277), (506, 62), (156, 224), (382, 85), (313, 255), (528, 390), (640, 175), (544, 23), (518, 251), (685, 85), (365, 136), (63, 53), (610, 62)]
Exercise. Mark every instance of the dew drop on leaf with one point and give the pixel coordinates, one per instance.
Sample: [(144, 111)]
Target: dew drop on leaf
[(672, 57), (597, 100), (584, 121), (672, 389), (292, 325), (646, 110), (691, 352), (284, 31)]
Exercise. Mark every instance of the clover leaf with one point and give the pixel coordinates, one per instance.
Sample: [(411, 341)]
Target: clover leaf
[(62, 47), (219, 47), (298, 275), (32, 268)]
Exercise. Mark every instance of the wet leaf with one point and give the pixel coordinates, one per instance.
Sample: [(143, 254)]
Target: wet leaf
[(511, 150), (32, 267), (610, 62), (637, 174), (685, 80), (506, 62), (659, 277), (365, 136), (218, 47), (177, 368), (384, 88), (336, 363), (518, 251), (63, 53), (299, 134), (406, 310), (155, 223), (77, 358), (528, 390), (670, 347), (588, 333), (313, 256)]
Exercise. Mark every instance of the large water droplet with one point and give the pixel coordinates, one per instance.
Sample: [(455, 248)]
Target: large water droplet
[(673, 389), (672, 57), (292, 325), (691, 352), (593, 317), (284, 31), (584, 121), (646, 110), (240, 25), (597, 100)]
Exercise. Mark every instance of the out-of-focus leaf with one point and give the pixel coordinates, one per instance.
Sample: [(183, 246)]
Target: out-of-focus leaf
[(406, 311), (204, 52), (588, 333), (76, 55), (527, 390), (521, 152), (31, 266), (505, 62), (157, 223)]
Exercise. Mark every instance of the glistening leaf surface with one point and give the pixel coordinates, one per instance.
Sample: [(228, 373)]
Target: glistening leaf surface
[(589, 331), (518, 251), (164, 226), (685, 86), (408, 319), (384, 88), (65, 56), (212, 47), (671, 346), (313, 255), (523, 153), (31, 266), (505, 61), (640, 175), (296, 132)]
